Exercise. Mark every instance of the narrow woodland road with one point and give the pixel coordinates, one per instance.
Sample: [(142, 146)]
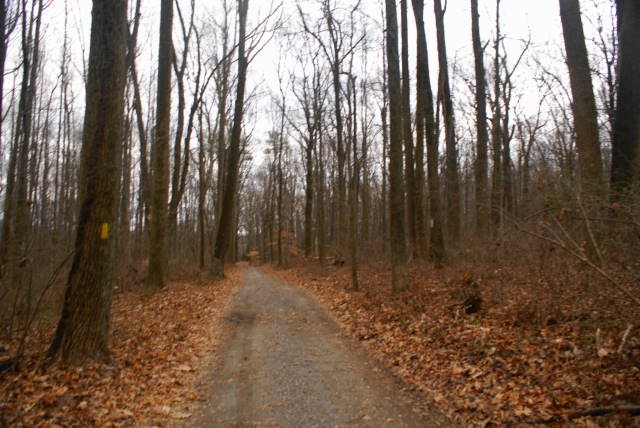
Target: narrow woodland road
[(286, 364)]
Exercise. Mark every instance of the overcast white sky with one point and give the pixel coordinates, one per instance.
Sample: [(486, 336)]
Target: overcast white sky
[(520, 18)]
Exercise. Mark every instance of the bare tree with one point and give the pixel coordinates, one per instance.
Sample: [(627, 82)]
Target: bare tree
[(8, 23), (626, 130), (482, 136), (180, 159), (353, 184), (310, 95), (132, 41), (425, 120), (496, 132), (225, 232), (83, 329), (17, 221), (409, 166), (451, 173), (396, 188), (158, 257), (584, 104), (222, 91), (336, 52)]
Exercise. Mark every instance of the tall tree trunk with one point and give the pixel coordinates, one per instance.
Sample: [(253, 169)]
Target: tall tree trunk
[(158, 258), (182, 140), (422, 248), (308, 198), (482, 136), (225, 233), (384, 206), (281, 190), (353, 192), (340, 155), (584, 104), (223, 94), (202, 191), (384, 114), (409, 167), (425, 119), (132, 45), (320, 185), (625, 146), (452, 180), (124, 223), (7, 26), (83, 329), (496, 134), (507, 136), (366, 186), (396, 187), (19, 242)]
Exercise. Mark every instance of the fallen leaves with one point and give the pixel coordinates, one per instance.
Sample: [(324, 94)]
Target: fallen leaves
[(485, 369), (161, 343)]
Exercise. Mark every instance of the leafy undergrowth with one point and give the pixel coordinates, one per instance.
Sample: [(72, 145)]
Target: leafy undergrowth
[(496, 367), (161, 342)]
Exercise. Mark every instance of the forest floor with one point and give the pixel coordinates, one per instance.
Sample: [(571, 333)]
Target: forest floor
[(521, 360), (161, 343), (252, 350), (285, 363)]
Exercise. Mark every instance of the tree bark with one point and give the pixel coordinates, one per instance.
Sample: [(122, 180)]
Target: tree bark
[(410, 182), (482, 136), (584, 105), (225, 233), (452, 181), (82, 332), (320, 185), (353, 191), (158, 258), (182, 139), (425, 119), (496, 134), (396, 188), (626, 130), (223, 94), (19, 233), (132, 45)]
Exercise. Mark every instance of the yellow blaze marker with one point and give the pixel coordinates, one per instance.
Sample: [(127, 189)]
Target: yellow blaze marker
[(104, 231)]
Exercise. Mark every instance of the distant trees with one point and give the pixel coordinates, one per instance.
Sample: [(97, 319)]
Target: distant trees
[(41, 195), (310, 94), (337, 49), (331, 181), (82, 332), (16, 224)]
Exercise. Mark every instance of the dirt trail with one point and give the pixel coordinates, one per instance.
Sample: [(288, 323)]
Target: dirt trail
[(286, 364)]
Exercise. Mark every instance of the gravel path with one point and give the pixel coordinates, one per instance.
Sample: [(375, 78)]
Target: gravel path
[(286, 364)]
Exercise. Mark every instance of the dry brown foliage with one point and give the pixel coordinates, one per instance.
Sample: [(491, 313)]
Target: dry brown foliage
[(161, 341), (545, 344)]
